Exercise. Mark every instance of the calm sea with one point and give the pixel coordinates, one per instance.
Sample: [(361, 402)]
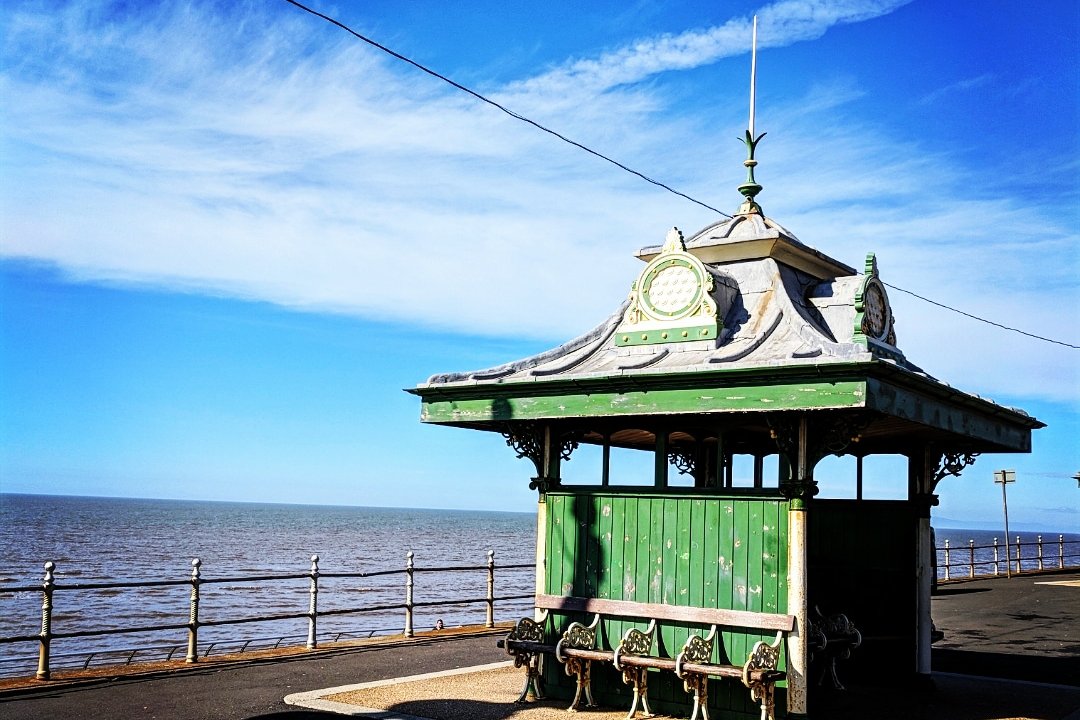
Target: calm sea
[(108, 540)]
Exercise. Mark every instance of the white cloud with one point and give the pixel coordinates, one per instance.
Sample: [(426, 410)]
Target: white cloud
[(779, 24), (958, 86), (179, 151)]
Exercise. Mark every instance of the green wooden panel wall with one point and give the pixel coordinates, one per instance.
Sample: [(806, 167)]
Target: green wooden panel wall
[(694, 550)]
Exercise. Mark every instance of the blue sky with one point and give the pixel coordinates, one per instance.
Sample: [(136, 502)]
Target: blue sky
[(231, 233)]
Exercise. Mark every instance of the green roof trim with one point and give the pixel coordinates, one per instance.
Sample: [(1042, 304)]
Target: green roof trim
[(708, 399)]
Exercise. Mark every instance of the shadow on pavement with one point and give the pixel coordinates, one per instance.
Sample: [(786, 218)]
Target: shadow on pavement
[(1032, 668), (294, 715), (945, 591)]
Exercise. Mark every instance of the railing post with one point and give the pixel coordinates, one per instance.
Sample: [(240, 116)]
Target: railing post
[(947, 560), (46, 621), (313, 607), (409, 595), (1039, 547), (491, 590), (997, 570), (1061, 552), (193, 618), (971, 559), (1019, 568)]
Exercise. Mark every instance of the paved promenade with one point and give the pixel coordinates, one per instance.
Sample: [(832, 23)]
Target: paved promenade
[(1011, 650)]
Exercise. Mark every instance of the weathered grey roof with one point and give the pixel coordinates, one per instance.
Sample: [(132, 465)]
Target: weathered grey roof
[(773, 313)]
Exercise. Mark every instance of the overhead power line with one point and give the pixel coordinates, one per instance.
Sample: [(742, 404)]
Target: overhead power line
[(616, 163), (984, 320), (503, 108)]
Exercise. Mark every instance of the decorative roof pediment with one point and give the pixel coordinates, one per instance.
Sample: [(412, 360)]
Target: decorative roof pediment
[(754, 236), (684, 315)]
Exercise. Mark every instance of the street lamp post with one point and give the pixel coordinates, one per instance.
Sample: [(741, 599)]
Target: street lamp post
[(1005, 477)]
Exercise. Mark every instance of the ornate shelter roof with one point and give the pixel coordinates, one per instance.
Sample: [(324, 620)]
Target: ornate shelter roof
[(741, 317)]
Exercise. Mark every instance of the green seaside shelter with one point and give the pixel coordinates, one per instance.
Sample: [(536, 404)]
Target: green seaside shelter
[(741, 345)]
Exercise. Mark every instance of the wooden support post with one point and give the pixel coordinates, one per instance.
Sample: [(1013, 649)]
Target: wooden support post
[(921, 468), (605, 476), (718, 468), (541, 552), (660, 476), (858, 477), (759, 471), (798, 650)]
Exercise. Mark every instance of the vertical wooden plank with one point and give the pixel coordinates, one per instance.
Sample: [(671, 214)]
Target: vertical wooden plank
[(669, 565), (696, 560), (770, 550), (644, 555), (590, 525), (755, 555), (617, 545), (740, 590), (627, 589), (710, 568), (605, 510), (656, 546), (555, 539), (571, 554)]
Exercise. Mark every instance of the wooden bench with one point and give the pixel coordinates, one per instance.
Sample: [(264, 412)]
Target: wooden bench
[(577, 649)]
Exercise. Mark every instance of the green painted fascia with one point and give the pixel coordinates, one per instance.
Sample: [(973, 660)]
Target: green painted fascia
[(960, 419), (647, 381), (777, 396)]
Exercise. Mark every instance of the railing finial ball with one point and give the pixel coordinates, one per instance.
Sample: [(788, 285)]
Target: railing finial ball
[(196, 562), (314, 558)]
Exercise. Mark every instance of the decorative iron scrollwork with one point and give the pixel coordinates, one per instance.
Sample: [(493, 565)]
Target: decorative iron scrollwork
[(527, 440), (568, 443), (685, 461), (835, 435), (953, 464)]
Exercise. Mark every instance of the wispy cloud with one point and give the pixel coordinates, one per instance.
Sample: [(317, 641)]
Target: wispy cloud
[(239, 151), (779, 24), (959, 86)]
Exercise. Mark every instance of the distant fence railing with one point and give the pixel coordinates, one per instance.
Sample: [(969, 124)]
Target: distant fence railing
[(193, 622), (982, 561)]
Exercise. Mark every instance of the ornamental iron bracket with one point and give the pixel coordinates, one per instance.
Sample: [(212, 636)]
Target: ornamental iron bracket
[(684, 460), (527, 440), (826, 435), (951, 463)]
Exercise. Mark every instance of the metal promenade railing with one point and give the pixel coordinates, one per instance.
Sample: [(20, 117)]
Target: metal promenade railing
[(49, 588), (981, 561)]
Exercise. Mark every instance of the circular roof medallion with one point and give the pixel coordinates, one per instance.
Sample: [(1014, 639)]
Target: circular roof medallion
[(671, 288)]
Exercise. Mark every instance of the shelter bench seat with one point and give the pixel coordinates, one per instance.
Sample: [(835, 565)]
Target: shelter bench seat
[(831, 638), (577, 649)]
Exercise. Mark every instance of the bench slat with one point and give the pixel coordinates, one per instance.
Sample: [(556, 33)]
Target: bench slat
[(676, 613)]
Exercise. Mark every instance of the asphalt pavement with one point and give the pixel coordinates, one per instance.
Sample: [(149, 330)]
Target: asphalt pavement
[(1022, 629)]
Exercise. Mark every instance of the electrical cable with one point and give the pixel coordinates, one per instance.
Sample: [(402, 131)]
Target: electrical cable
[(984, 320), (511, 113), (538, 126)]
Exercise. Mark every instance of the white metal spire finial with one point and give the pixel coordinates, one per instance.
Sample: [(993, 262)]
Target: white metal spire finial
[(753, 74), (751, 188)]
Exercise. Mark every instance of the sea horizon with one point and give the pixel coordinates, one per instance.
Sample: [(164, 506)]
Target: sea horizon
[(938, 522)]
